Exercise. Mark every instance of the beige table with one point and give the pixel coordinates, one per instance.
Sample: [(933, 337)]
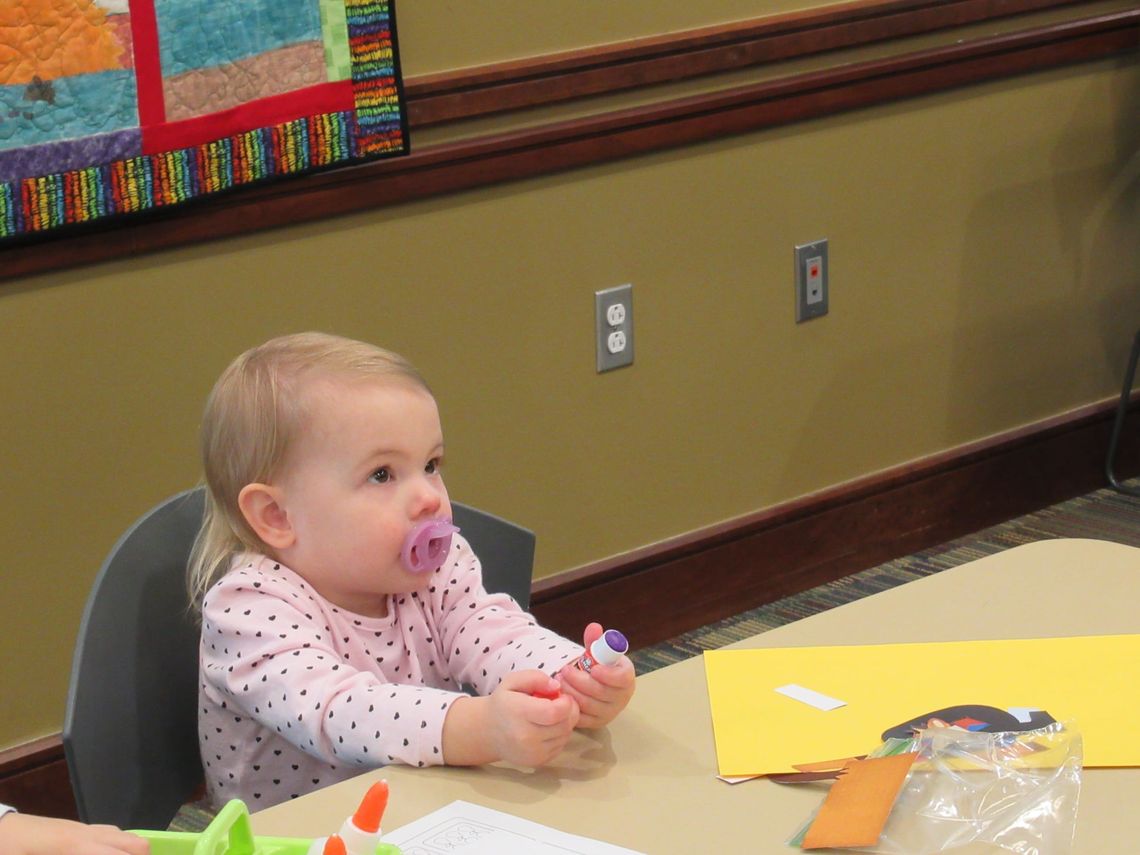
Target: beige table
[(648, 783)]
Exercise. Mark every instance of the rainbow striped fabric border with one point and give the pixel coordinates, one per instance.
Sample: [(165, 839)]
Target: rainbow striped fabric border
[(376, 127)]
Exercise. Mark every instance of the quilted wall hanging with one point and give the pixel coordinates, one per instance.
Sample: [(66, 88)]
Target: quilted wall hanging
[(110, 107)]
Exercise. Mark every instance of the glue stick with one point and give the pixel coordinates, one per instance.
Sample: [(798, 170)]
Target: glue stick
[(606, 649), (360, 834)]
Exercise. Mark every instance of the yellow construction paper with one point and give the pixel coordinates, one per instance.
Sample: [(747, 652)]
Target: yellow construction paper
[(1091, 681)]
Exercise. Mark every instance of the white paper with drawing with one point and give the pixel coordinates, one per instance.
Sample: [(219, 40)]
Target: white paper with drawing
[(462, 828)]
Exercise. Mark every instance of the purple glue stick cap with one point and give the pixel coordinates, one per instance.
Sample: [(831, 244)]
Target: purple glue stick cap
[(615, 641), (427, 545)]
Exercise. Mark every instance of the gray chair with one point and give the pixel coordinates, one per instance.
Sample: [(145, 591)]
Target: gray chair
[(506, 551), (1118, 422), (130, 731)]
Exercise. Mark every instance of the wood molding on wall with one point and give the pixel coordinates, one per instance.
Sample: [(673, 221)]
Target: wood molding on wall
[(596, 139), (672, 587), (34, 778), (669, 588), (539, 81)]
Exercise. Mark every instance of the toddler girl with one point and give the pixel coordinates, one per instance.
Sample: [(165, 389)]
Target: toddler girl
[(322, 651)]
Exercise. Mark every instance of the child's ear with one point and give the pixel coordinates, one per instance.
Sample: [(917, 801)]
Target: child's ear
[(261, 506)]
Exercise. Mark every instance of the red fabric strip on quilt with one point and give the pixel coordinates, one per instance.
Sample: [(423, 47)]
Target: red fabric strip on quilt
[(333, 97), (148, 65)]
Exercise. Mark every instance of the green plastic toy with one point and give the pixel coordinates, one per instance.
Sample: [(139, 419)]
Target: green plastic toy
[(229, 834)]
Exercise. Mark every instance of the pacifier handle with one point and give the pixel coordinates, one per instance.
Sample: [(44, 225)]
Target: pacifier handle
[(427, 545)]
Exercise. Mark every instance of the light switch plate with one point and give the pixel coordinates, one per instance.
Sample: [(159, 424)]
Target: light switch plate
[(811, 280)]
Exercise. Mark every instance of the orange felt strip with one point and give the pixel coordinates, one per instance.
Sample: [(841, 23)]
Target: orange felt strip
[(858, 804), (825, 765)]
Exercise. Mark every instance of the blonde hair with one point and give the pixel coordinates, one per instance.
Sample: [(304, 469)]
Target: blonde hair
[(252, 416)]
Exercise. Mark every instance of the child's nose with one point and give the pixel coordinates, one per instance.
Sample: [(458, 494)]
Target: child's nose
[(427, 501)]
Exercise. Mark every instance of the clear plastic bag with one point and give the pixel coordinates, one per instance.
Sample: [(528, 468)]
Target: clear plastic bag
[(988, 792)]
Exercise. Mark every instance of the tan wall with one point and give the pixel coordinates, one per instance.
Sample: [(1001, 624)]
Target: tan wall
[(984, 276), (442, 35)]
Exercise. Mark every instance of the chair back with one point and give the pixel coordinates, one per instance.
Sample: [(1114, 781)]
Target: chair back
[(130, 732), (505, 550)]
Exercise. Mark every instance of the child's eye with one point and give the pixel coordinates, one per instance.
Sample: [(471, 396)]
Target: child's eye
[(433, 466), (382, 475)]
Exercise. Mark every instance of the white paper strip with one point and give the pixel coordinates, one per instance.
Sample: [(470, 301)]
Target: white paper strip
[(1023, 714), (810, 697)]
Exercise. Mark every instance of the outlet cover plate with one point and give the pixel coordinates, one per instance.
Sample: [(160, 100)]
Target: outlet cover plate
[(603, 329)]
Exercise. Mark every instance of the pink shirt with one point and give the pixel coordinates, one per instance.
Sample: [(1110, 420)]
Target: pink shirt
[(296, 693)]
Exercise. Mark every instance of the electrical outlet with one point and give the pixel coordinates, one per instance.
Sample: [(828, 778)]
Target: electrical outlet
[(613, 327), (811, 280)]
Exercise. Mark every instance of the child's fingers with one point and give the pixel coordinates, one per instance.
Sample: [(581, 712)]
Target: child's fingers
[(590, 705), (121, 841), (550, 692), (595, 684), (557, 713), (594, 695), (617, 676), (591, 634), (602, 693), (561, 731), (527, 682), (547, 741), (557, 735)]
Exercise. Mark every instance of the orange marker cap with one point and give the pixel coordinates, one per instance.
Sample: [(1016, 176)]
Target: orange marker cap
[(371, 811), (334, 846)]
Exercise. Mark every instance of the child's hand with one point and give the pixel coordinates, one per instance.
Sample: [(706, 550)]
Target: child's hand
[(509, 724), (604, 691), (24, 834)]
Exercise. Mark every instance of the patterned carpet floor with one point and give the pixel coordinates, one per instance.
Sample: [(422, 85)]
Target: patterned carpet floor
[(1101, 515)]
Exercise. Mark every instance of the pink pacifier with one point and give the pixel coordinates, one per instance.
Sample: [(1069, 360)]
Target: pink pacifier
[(427, 545)]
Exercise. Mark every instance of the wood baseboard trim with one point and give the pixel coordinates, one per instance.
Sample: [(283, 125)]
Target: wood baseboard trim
[(680, 584), (683, 583), (34, 778), (596, 139)]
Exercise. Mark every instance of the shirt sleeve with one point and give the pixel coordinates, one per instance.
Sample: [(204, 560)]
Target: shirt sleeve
[(269, 653), (487, 636)]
